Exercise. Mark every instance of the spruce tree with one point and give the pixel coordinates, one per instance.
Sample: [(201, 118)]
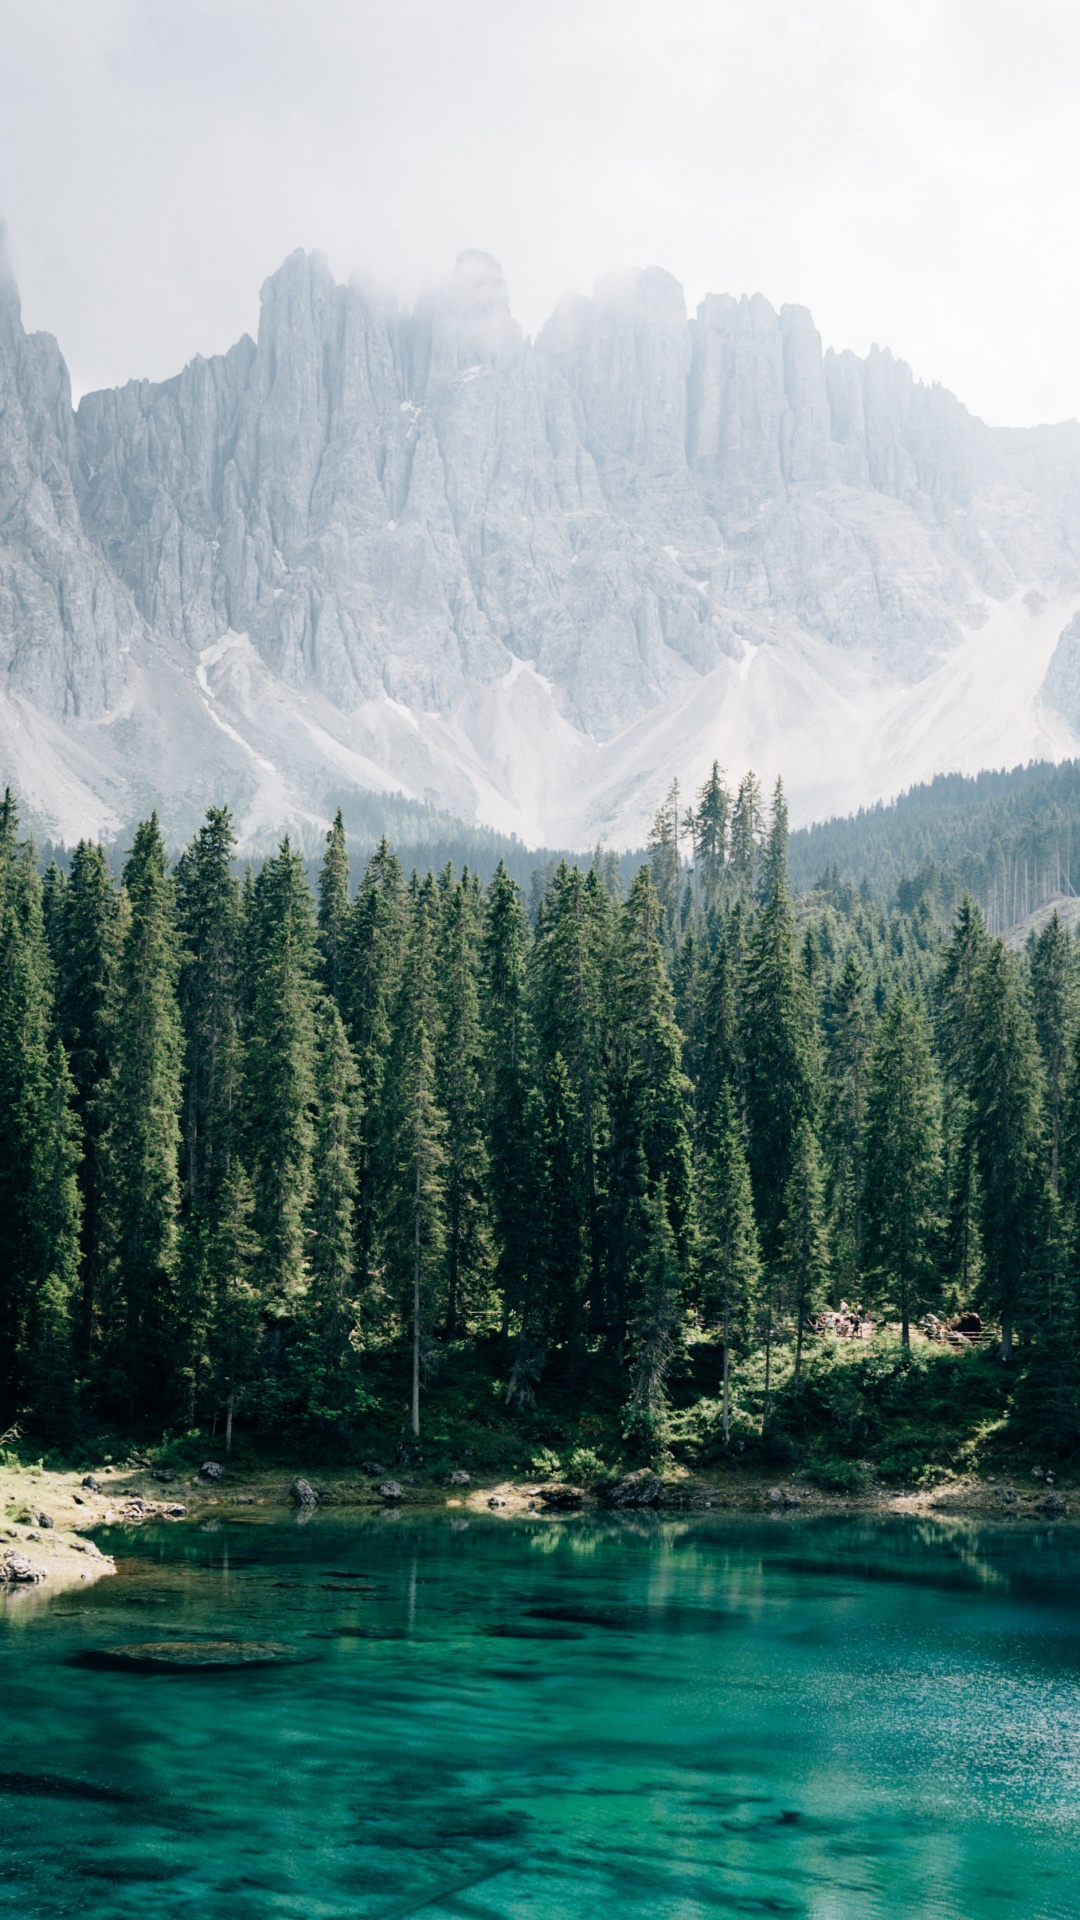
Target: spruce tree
[(664, 858), (413, 1228), (711, 837), (208, 921), (86, 940), (903, 1163), (655, 1330), (332, 1311), (279, 1073), (729, 1258), (777, 1040), (38, 1148), (1006, 1094), (955, 1021), (572, 963), (334, 911), (511, 1116), (1053, 998), (746, 834), (374, 946), (847, 1060), (140, 1146), (804, 1249), (460, 1094)]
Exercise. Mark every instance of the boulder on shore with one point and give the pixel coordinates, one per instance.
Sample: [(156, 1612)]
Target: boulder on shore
[(17, 1570), (391, 1490), (561, 1499), (303, 1493), (641, 1489)]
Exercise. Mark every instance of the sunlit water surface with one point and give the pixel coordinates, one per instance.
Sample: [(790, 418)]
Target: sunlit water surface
[(640, 1717)]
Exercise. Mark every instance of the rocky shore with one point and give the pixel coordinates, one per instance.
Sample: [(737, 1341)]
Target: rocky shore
[(46, 1517)]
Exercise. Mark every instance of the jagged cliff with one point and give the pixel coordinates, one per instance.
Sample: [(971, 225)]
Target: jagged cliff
[(414, 551)]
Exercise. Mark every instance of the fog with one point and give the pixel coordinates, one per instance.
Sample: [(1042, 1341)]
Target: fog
[(908, 171)]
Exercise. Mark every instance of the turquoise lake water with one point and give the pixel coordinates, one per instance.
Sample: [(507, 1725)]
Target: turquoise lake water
[(672, 1718)]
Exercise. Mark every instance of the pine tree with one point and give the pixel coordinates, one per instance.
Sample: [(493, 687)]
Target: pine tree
[(1006, 1092), (235, 1299), (375, 936), (334, 911), (654, 1334), (208, 920), (1053, 997), (711, 836), (140, 1146), (956, 1017), (746, 832), (729, 1257), (460, 1094), (279, 1073), (86, 939), (777, 1041), (721, 1061), (804, 1251), (572, 962), (664, 857), (414, 1220), (332, 1308), (511, 1117), (847, 1060), (903, 1162), (38, 1149)]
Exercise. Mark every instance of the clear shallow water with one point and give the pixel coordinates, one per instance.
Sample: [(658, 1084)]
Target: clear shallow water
[(637, 1717)]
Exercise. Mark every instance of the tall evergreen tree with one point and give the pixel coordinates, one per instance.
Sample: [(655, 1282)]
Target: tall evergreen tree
[(711, 837), (279, 1072), (956, 1018), (511, 1116), (140, 1146), (664, 858), (332, 1308), (414, 1201), (1053, 996), (804, 1248), (460, 1094), (847, 1061), (334, 911), (38, 1204), (746, 834), (729, 1256), (655, 1329), (88, 931), (903, 1162), (372, 967), (777, 1042), (1006, 1092)]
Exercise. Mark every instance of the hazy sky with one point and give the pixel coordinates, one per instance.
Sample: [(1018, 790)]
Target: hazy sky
[(908, 169)]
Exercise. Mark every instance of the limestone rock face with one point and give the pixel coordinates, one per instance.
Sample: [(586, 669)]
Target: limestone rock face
[(386, 550), (65, 619)]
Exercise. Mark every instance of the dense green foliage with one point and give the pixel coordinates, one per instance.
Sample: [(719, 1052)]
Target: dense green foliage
[(1010, 839), (310, 1162)]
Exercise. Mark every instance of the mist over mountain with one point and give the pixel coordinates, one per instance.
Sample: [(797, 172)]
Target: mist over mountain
[(527, 582)]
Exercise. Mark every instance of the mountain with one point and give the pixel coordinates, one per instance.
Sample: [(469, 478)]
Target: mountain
[(387, 552)]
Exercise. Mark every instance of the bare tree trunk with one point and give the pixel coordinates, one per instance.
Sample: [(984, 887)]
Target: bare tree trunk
[(727, 1387), (228, 1421)]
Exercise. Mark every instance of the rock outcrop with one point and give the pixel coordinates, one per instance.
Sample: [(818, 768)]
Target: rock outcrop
[(414, 551)]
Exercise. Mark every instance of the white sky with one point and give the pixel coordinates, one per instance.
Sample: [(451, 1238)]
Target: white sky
[(907, 169)]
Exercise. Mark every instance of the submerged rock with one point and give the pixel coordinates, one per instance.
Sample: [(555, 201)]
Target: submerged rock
[(190, 1656), (303, 1493)]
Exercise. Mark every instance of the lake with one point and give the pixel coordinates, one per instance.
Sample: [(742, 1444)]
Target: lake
[(662, 1717)]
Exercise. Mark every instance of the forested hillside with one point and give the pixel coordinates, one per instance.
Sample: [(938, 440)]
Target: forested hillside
[(1007, 838), (278, 1164)]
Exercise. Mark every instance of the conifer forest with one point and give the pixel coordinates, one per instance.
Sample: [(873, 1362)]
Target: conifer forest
[(686, 1169)]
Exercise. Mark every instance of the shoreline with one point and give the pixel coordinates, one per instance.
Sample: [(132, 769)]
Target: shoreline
[(132, 1496)]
